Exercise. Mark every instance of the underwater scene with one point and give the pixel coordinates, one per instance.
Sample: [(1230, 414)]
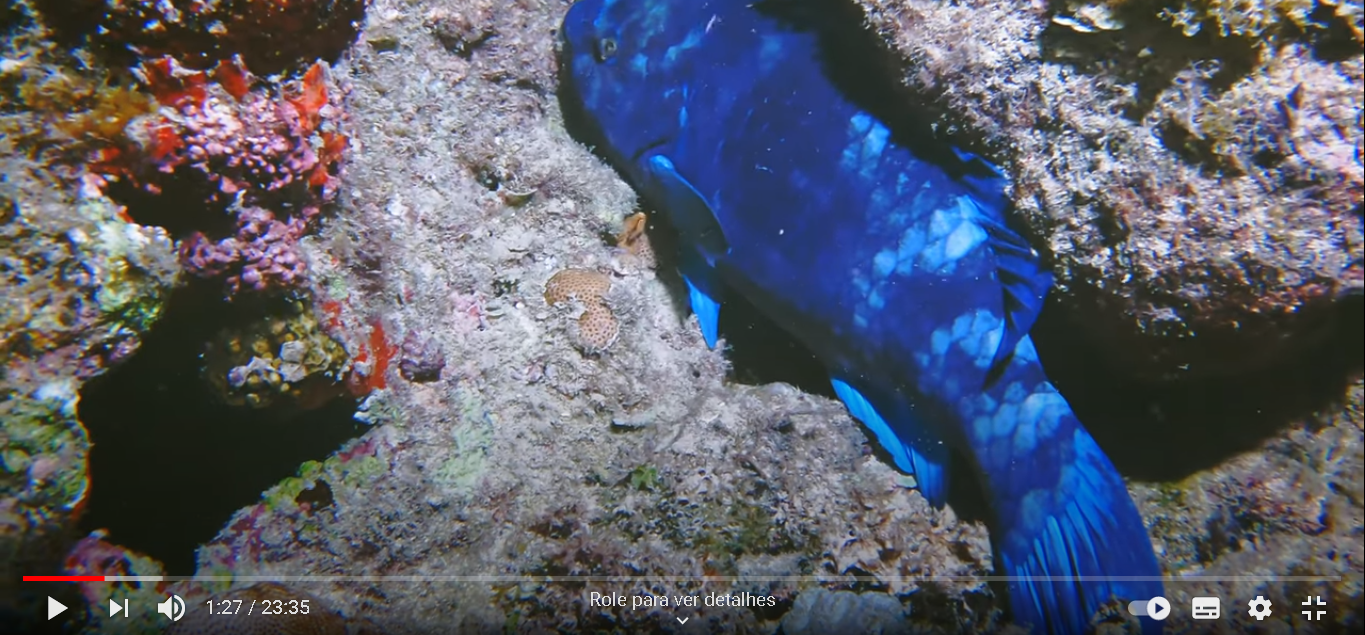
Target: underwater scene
[(682, 316)]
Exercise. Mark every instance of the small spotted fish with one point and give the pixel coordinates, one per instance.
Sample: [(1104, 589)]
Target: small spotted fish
[(886, 254)]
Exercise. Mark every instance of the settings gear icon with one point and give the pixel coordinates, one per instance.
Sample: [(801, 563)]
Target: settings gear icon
[(1260, 608)]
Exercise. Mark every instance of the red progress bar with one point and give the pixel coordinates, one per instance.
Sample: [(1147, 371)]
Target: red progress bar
[(63, 578)]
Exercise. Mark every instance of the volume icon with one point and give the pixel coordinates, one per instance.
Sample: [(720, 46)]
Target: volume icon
[(173, 607)]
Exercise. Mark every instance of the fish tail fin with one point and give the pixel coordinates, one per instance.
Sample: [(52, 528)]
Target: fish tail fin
[(1066, 531)]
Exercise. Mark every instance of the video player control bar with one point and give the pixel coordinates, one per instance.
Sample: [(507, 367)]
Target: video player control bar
[(581, 578)]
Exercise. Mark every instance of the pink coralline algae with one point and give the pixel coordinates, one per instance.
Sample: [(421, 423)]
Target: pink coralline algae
[(264, 159), (420, 359), (263, 254), (95, 556)]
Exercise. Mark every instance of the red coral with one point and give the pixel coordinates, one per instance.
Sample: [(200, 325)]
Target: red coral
[(378, 352), (172, 84), (311, 98), (242, 140), (233, 76)]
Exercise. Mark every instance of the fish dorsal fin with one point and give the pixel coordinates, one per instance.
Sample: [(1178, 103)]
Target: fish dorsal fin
[(1018, 268), (688, 210), (1024, 282)]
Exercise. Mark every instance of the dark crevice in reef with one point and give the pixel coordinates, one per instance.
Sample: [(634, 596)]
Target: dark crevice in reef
[(1150, 50), (12, 18), (170, 461), (1165, 431), (1330, 34), (761, 352)]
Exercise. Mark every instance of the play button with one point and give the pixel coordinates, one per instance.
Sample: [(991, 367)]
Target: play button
[(54, 608), (1158, 608)]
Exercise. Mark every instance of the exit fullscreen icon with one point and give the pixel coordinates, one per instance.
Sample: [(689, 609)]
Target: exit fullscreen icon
[(1310, 602)]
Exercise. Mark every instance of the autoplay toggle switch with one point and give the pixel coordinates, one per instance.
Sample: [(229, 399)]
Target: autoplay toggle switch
[(1157, 608)]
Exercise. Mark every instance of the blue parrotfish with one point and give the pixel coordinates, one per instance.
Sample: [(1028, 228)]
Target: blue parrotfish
[(893, 264)]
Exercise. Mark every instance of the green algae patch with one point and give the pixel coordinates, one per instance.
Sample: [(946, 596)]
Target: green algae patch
[(471, 438), (44, 456)]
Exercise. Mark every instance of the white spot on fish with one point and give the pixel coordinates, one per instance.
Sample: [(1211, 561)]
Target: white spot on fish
[(1024, 352), (1025, 438), (690, 42), (963, 239), (859, 124), (874, 144), (1005, 420), (939, 341), (981, 429), (875, 300), (1042, 411), (771, 52), (883, 263), (912, 243)]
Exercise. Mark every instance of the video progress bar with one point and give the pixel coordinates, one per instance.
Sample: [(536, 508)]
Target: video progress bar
[(515, 579)]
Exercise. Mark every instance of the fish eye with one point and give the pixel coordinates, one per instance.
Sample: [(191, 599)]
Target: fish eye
[(606, 48)]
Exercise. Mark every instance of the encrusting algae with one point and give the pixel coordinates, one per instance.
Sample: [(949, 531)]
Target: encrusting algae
[(283, 354)]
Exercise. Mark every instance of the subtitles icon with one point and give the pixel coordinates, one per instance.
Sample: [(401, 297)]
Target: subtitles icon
[(1206, 608)]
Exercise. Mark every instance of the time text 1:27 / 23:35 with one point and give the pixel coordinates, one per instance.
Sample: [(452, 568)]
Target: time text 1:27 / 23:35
[(262, 607)]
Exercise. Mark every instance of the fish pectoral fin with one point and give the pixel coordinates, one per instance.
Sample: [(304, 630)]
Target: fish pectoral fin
[(927, 461), (703, 292), (1024, 283), (688, 210)]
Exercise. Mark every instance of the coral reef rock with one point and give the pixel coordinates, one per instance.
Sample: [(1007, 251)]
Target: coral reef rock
[(79, 287), (819, 610), (272, 35)]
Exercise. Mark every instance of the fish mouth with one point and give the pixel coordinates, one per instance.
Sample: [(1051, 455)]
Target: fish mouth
[(561, 44), (563, 51), (635, 158)]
